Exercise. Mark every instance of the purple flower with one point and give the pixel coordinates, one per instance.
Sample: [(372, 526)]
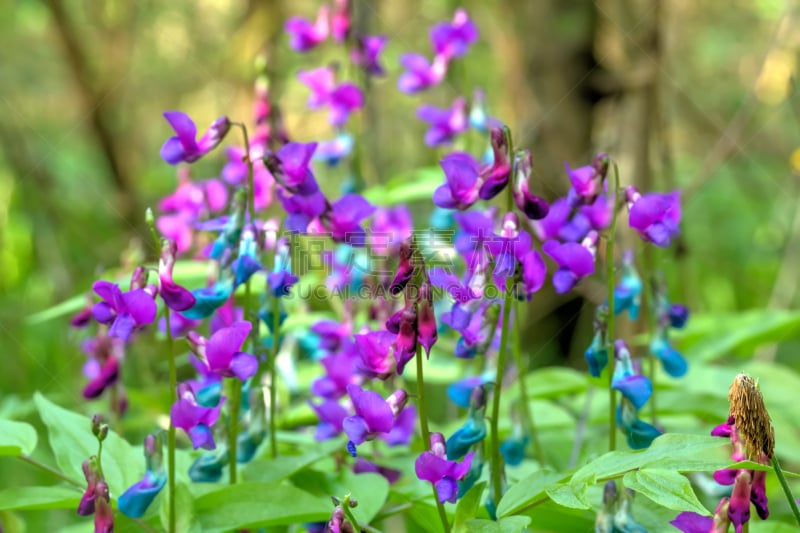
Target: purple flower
[(174, 296), (195, 419), (138, 497), (105, 354), (462, 185), (343, 219), (104, 514), (689, 522), (655, 216), (290, 167), (534, 207), (91, 472), (375, 350), (366, 53), (426, 320), (342, 99), (495, 177), (340, 372), (445, 124), (421, 73), (574, 263), (184, 147), (390, 227), (301, 210), (304, 35), (331, 416), (123, 311), (405, 343), (739, 506), (220, 354), (334, 150), (444, 475), (403, 428), (340, 20), (587, 181), (374, 415), (452, 39)]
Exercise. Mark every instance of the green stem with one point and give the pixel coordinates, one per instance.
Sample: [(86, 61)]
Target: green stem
[(50, 470), (610, 280), (496, 457), (651, 371), (786, 490), (273, 374), (527, 414), (426, 433), (233, 427), (173, 387)]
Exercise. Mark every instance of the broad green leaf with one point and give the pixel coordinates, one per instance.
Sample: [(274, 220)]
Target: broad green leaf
[(423, 517), (286, 465), (527, 491), (512, 524), (51, 497), (553, 381), (16, 438), (413, 186), (665, 487), (72, 442), (468, 507), (371, 491), (568, 496), (258, 504)]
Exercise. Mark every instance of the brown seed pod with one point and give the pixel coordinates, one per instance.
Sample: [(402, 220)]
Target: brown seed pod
[(751, 417)]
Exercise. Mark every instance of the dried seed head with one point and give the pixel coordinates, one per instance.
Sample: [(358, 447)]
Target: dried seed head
[(751, 417)]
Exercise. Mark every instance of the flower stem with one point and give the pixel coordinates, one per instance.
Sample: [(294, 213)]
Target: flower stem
[(610, 280), (426, 433), (233, 427), (496, 457), (527, 414), (786, 490), (173, 387), (50, 470), (273, 374)]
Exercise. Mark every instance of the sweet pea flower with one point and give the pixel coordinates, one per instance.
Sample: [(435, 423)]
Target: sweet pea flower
[(220, 353), (195, 419), (185, 147), (655, 216), (462, 185), (421, 73), (343, 219), (433, 466), (340, 372), (342, 99), (452, 39), (125, 312), (390, 227), (305, 35), (374, 415), (366, 54), (444, 124), (574, 263), (587, 181), (340, 20), (105, 357), (138, 497)]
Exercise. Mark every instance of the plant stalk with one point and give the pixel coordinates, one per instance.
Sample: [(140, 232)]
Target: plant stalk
[(610, 280), (273, 374), (496, 457), (173, 387), (786, 490), (50, 470)]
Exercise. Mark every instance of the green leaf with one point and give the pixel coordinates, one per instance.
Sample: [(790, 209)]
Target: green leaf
[(568, 496), (416, 185), (72, 442), (52, 497), (512, 524), (665, 487), (258, 504), (16, 438), (371, 491), (528, 491), (468, 507), (286, 465), (184, 510)]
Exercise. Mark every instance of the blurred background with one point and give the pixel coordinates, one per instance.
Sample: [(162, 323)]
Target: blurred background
[(699, 96)]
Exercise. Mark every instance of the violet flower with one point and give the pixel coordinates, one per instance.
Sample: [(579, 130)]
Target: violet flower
[(421, 73), (331, 417), (534, 207), (138, 497), (433, 466), (655, 216), (342, 99), (366, 54), (403, 427), (587, 181), (375, 351), (343, 219), (452, 39), (305, 35), (496, 175), (174, 296), (462, 185), (374, 415), (220, 354), (340, 372), (574, 261), (91, 471), (185, 147), (123, 311), (689, 522), (444, 124), (195, 419), (390, 227)]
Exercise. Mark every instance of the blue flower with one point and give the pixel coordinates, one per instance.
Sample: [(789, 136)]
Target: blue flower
[(637, 389), (628, 294), (139, 496), (673, 362), (597, 355), (460, 391), (208, 468), (209, 299), (513, 449), (638, 433)]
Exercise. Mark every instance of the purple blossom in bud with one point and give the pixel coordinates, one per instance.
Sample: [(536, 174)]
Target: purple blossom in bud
[(433, 466), (444, 124), (739, 505), (123, 311), (343, 219), (103, 513), (426, 320), (341, 99), (305, 35), (220, 354), (185, 147), (534, 207), (405, 269), (452, 39), (375, 351), (82, 318), (91, 472), (655, 216), (174, 296), (374, 416), (496, 176), (574, 263), (105, 356), (331, 417), (366, 54), (195, 419), (405, 344), (678, 315), (138, 497), (587, 181), (341, 20), (421, 73)]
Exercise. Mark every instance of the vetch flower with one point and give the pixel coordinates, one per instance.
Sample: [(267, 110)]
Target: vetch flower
[(655, 216), (331, 416), (444, 124), (403, 428), (366, 53), (185, 147), (433, 466), (597, 353), (247, 262), (123, 311), (374, 415), (135, 500), (174, 296), (341, 20), (220, 354), (452, 39), (534, 207), (105, 357), (342, 219), (195, 419), (628, 293), (587, 181), (574, 263), (341, 99), (375, 351), (690, 522), (460, 391), (634, 387), (305, 35), (673, 362), (474, 429), (91, 471), (461, 186), (103, 513), (638, 433), (421, 73), (209, 299), (332, 151)]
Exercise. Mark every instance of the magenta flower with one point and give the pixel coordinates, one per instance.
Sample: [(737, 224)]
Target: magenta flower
[(654, 216), (403, 428), (374, 415), (341, 99), (366, 54), (343, 219), (341, 20), (104, 514), (405, 343), (574, 263), (452, 39), (195, 419), (92, 474), (587, 181), (534, 207), (426, 320), (461, 186), (105, 356), (375, 351), (220, 354), (123, 311), (444, 475), (305, 35), (445, 124), (689, 522), (420, 73), (184, 147), (174, 296)]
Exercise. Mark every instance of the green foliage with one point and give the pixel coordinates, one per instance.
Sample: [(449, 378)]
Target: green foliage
[(16, 438), (512, 524), (467, 507), (38, 498), (665, 487)]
